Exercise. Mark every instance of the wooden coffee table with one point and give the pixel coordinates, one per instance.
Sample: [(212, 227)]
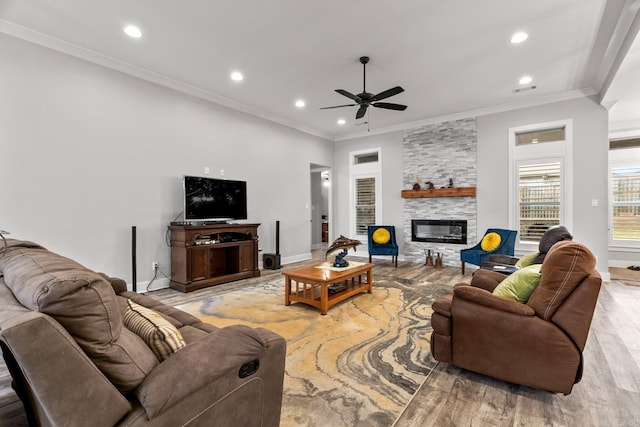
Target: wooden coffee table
[(310, 285)]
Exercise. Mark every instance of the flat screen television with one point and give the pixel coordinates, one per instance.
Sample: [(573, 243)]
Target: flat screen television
[(210, 199)]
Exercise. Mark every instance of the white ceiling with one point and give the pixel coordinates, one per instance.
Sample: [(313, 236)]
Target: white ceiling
[(453, 58)]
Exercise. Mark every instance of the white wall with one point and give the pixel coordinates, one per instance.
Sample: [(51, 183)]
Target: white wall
[(590, 147), (86, 152), (392, 203)]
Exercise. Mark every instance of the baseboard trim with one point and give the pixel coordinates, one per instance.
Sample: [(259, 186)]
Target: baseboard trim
[(297, 258), (620, 263)]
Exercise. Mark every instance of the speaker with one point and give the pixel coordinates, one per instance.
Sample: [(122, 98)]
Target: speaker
[(134, 279), (271, 261)]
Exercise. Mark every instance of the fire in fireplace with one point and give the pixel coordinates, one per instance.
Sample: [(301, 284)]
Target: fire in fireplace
[(439, 231)]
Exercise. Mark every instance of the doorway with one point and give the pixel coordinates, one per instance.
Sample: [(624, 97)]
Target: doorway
[(320, 206)]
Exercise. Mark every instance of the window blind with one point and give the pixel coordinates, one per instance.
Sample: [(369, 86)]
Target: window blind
[(625, 193), (365, 208), (539, 199)]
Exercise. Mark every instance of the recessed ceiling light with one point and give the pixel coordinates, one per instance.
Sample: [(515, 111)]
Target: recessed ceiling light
[(519, 37), (525, 80), (133, 31), (237, 76), (342, 121), (300, 103)]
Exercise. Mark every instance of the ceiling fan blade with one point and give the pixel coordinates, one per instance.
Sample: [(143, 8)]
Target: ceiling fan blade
[(387, 93), (339, 106), (348, 95), (361, 111), (390, 106)]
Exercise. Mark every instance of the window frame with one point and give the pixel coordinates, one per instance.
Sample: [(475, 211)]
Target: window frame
[(544, 152), (364, 170)]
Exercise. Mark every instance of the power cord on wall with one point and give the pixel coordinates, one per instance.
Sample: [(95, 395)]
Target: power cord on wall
[(167, 239), (155, 276)]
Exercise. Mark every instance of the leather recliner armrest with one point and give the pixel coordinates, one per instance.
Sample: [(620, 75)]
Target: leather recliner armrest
[(218, 355), (487, 279), (503, 259), (487, 299), (53, 365)]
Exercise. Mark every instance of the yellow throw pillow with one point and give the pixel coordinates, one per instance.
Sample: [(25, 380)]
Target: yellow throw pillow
[(520, 285), (162, 337), (490, 242), (381, 236)]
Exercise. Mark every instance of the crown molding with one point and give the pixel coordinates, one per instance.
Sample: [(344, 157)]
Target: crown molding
[(41, 39), (44, 40), (494, 109)]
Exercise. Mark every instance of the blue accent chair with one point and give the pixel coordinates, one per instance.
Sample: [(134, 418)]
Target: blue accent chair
[(389, 248), (477, 256)]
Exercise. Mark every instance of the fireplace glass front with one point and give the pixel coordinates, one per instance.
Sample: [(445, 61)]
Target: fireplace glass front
[(439, 231)]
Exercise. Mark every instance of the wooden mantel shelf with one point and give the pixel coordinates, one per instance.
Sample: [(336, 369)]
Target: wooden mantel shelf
[(440, 192)]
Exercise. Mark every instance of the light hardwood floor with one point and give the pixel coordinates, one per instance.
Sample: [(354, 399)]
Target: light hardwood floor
[(608, 395)]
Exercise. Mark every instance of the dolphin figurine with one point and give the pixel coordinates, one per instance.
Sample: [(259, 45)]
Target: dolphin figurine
[(342, 243)]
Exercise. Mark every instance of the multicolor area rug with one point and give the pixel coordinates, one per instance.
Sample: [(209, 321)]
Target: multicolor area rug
[(357, 366)]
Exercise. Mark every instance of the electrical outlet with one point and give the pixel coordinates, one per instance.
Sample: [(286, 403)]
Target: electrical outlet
[(154, 265)]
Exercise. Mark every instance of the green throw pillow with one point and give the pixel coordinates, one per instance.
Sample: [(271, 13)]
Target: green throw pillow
[(520, 285), (527, 259)]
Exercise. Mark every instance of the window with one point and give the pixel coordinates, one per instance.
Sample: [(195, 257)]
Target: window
[(540, 185), (624, 196), (625, 201), (539, 199), (540, 136), (365, 158), (365, 178)]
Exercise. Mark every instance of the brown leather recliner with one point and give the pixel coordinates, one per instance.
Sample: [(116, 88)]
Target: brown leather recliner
[(537, 344)]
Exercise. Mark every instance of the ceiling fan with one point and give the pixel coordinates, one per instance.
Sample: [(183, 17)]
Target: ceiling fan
[(366, 99)]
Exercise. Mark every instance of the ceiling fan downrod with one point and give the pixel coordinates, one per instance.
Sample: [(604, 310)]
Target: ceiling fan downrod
[(364, 60)]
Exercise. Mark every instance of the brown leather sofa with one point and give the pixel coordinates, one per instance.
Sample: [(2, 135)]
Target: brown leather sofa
[(74, 362), (537, 344)]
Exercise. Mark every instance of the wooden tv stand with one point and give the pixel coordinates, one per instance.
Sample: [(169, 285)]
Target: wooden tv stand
[(209, 255)]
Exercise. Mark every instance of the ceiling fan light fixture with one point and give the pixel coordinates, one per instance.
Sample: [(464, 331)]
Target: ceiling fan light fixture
[(341, 121), (237, 76), (300, 103), (133, 31), (519, 37)]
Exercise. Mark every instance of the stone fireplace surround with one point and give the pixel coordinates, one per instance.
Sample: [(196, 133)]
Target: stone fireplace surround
[(436, 153)]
